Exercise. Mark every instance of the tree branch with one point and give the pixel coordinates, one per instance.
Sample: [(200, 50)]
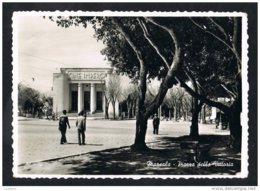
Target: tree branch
[(233, 95), (234, 39), (147, 36), (218, 38), (169, 79), (199, 88), (127, 37), (176, 60), (234, 42), (219, 105), (219, 27)]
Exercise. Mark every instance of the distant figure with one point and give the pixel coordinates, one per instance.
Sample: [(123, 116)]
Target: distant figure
[(81, 125), (156, 122), (63, 122)]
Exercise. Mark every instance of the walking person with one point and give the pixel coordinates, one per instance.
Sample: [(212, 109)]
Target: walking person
[(81, 125), (156, 122), (63, 122)]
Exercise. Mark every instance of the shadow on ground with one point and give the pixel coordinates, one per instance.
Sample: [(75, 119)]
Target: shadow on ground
[(165, 157), (84, 144)]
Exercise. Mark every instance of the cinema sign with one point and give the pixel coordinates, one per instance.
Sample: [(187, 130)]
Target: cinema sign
[(87, 75)]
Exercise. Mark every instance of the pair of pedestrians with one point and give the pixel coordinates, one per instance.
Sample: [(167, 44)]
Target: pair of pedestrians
[(80, 124)]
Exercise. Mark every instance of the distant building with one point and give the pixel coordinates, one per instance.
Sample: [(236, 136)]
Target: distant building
[(218, 116), (77, 89)]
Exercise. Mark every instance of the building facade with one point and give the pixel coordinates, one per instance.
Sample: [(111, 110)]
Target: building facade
[(77, 89)]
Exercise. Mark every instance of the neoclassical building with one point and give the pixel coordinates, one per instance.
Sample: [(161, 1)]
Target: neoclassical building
[(77, 89)]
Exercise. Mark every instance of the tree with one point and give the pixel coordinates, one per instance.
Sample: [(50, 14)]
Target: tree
[(130, 95), (219, 71), (30, 101), (47, 105), (113, 91), (186, 105), (174, 99), (196, 108), (172, 50), (107, 101)]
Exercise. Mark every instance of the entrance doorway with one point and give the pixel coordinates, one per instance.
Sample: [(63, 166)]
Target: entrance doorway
[(87, 101), (74, 101), (99, 102)]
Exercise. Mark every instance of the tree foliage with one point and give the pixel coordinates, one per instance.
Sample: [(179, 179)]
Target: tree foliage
[(210, 59), (31, 101), (178, 100)]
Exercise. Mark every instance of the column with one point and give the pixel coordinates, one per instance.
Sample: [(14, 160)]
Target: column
[(93, 98), (80, 98)]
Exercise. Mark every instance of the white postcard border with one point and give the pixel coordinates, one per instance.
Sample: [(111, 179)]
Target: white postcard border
[(245, 88)]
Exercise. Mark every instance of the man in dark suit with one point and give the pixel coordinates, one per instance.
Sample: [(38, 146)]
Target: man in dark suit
[(156, 123), (63, 122)]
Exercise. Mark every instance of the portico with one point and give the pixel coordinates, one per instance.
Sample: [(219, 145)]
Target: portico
[(86, 96), (77, 89)]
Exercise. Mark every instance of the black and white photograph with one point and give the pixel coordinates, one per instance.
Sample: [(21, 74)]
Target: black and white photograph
[(130, 94)]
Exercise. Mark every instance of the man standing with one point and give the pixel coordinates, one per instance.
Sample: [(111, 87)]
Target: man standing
[(63, 122), (156, 122), (81, 125)]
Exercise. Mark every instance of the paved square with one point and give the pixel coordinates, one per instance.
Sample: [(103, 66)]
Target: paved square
[(39, 139)]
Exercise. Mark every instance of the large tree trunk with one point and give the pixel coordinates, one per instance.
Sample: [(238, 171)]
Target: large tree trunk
[(141, 127), (234, 119), (194, 128), (235, 128), (141, 118), (236, 108), (142, 113)]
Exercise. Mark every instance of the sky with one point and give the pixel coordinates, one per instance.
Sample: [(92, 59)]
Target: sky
[(43, 48)]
